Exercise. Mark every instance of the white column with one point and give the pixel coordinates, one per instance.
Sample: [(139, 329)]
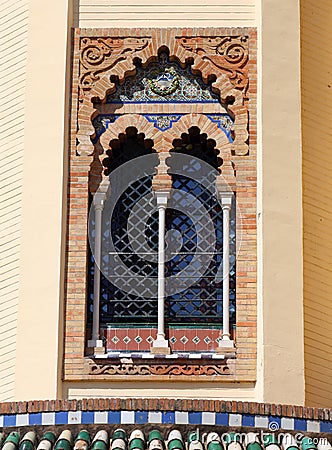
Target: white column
[(98, 204), (160, 345), (226, 344)]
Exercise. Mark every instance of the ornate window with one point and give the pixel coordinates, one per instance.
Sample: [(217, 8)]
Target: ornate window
[(129, 270), (163, 159)]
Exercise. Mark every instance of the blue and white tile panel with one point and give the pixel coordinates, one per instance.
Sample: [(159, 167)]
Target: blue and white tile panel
[(273, 423)]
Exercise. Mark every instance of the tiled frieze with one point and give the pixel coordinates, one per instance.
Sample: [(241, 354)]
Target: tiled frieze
[(114, 411), (185, 339)]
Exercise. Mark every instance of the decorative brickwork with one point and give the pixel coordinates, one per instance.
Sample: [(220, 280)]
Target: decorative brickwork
[(224, 58), (226, 53), (100, 57), (270, 411), (166, 404)]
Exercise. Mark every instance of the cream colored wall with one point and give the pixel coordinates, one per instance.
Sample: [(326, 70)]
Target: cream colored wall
[(160, 390), (281, 361), (38, 358), (316, 19), (280, 299), (145, 13), (13, 47), (170, 13)]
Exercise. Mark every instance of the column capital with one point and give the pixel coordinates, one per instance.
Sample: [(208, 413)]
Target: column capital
[(225, 198), (162, 181), (162, 196), (99, 199), (101, 194)]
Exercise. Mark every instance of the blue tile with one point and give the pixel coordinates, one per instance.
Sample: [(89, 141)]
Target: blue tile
[(141, 417), (326, 427), (88, 417), (114, 417), (9, 421), (168, 417), (61, 418), (300, 424), (195, 418), (248, 420), (222, 419), (274, 420), (35, 419)]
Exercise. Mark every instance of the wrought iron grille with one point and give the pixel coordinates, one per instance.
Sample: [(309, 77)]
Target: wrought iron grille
[(116, 304), (200, 303), (190, 299)]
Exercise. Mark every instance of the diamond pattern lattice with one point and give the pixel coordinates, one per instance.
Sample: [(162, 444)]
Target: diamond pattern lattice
[(202, 301), (191, 299), (118, 305)]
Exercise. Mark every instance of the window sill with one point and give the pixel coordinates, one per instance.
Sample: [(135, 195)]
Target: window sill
[(177, 356), (179, 366)]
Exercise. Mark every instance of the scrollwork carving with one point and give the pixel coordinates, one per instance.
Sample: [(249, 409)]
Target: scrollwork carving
[(227, 53), (189, 369), (133, 368), (119, 369), (225, 57), (100, 54)]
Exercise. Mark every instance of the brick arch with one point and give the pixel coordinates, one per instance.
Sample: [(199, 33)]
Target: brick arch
[(213, 132), (96, 172), (163, 141), (201, 51), (205, 125), (129, 120), (143, 126)]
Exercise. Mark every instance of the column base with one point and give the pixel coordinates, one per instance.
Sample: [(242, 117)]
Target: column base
[(97, 346), (160, 347), (226, 346), (160, 350)]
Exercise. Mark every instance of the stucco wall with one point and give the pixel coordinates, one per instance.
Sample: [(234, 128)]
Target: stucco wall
[(13, 49), (39, 354), (280, 362), (316, 19), (280, 300), (148, 13), (173, 389)]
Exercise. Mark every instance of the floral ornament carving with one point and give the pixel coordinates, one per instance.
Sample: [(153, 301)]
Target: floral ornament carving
[(100, 54), (227, 53)]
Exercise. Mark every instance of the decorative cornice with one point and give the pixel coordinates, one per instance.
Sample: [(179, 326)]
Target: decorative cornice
[(227, 53), (97, 55)]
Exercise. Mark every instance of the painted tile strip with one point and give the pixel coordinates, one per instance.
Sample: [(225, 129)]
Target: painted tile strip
[(273, 423)]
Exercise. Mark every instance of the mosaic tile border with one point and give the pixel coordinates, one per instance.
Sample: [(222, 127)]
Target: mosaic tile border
[(273, 423), (162, 122), (140, 340)]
